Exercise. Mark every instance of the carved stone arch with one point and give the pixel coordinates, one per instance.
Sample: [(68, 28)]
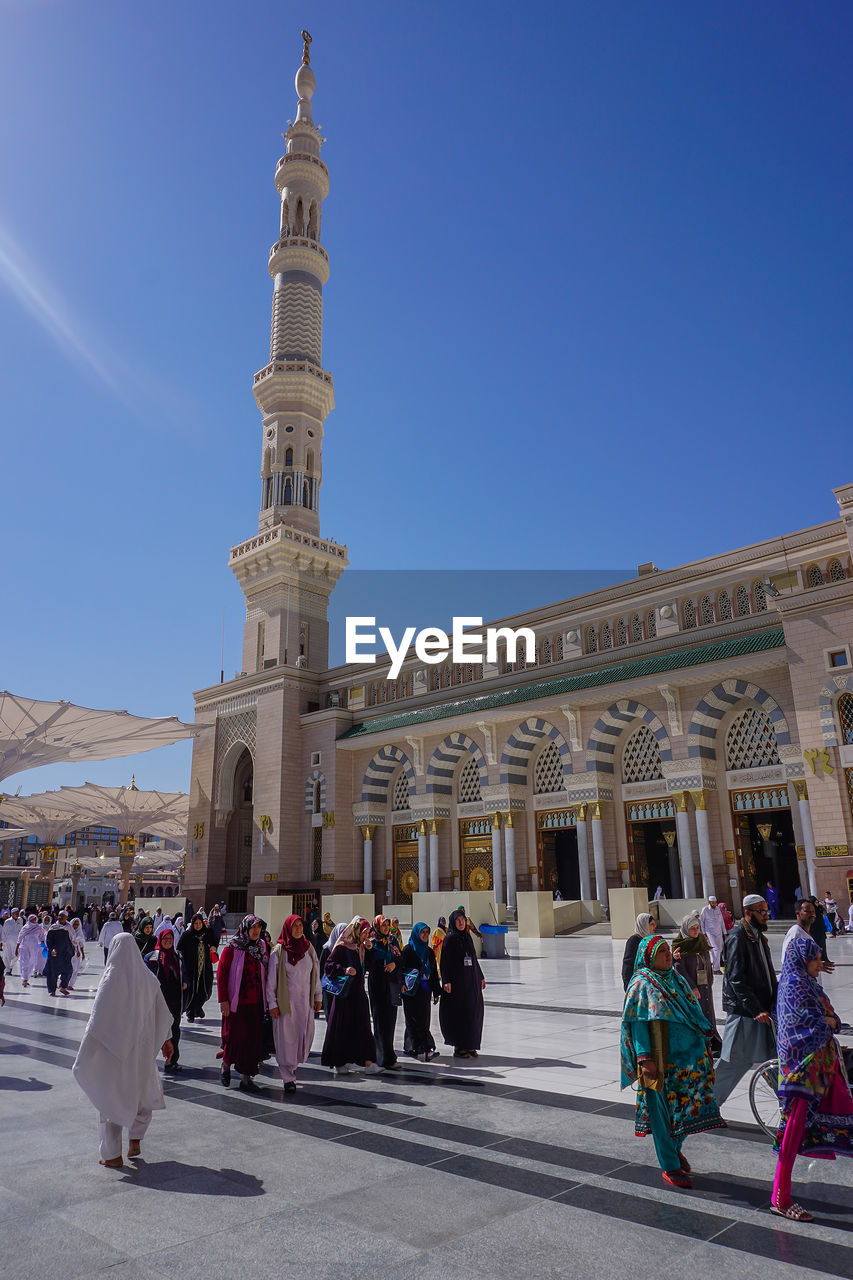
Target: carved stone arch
[(445, 759), (234, 735), (314, 777), (380, 771), (609, 727), (715, 707), (529, 738)]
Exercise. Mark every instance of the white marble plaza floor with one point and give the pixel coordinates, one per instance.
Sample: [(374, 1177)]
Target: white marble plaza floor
[(522, 1163)]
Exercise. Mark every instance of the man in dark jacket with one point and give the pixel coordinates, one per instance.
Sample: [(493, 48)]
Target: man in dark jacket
[(60, 954), (749, 997)]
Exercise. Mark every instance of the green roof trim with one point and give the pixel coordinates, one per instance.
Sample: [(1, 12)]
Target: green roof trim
[(757, 642)]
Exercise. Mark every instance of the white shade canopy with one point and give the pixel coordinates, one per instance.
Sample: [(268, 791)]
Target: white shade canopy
[(51, 815), (39, 815), (130, 812), (34, 733)]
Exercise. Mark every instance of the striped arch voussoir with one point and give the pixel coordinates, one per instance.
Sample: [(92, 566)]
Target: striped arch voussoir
[(316, 775), (717, 703), (446, 757), (610, 726), (380, 771), (521, 744), (826, 708)]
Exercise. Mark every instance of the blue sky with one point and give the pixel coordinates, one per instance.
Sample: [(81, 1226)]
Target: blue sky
[(589, 302)]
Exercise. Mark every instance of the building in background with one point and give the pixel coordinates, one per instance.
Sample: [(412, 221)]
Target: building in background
[(691, 728)]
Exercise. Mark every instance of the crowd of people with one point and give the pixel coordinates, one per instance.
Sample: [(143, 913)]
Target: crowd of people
[(159, 970), (669, 1040)]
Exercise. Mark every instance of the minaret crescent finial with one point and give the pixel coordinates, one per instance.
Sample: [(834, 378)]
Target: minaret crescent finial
[(306, 57)]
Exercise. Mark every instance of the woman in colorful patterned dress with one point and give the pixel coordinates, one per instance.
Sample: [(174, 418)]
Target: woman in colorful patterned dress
[(817, 1109), (665, 1051)]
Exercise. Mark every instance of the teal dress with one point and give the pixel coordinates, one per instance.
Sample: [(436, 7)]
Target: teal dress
[(663, 1020)]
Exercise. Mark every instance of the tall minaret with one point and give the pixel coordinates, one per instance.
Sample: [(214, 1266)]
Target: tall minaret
[(288, 572)]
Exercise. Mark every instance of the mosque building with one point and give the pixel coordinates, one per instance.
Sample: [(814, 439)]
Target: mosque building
[(690, 729)]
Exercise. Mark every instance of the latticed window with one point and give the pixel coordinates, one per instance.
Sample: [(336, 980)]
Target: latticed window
[(835, 571), (606, 636), (814, 577), (435, 678), (706, 611), (651, 625), (689, 614), (741, 601), (845, 718), (759, 597), (558, 649), (445, 677), (621, 632), (317, 854), (641, 757), (401, 792), (548, 774), (724, 606), (469, 782), (751, 741), (546, 650), (591, 640), (636, 629)]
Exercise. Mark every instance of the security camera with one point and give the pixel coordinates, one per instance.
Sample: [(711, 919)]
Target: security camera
[(770, 587)]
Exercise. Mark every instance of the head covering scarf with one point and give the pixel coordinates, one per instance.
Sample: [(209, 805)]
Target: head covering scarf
[(698, 946), (644, 919), (420, 948), (335, 935), (294, 948), (143, 939), (168, 958), (384, 942), (807, 1049), (329, 925), (656, 996), (242, 942)]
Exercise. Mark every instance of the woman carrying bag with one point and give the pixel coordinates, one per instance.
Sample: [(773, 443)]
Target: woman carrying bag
[(421, 989), (349, 1043)]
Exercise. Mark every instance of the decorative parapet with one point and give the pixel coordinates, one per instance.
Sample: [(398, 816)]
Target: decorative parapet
[(367, 814), (283, 533)]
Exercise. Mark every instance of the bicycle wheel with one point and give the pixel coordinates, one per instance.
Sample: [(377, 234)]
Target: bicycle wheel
[(763, 1098)]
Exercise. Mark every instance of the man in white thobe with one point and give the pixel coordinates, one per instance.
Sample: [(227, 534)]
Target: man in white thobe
[(714, 929), (9, 938)]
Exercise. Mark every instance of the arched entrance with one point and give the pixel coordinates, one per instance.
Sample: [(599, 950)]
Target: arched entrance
[(238, 835)]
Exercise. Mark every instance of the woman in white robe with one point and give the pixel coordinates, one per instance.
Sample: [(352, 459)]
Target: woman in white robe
[(78, 941), (116, 1064), (30, 943), (293, 993), (178, 928)]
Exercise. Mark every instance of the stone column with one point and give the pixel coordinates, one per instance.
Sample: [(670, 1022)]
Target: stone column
[(47, 855), (433, 854), (423, 866), (497, 868), (685, 845), (674, 871), (808, 832), (367, 881), (703, 836), (25, 889), (76, 872), (583, 853), (509, 850), (598, 854)]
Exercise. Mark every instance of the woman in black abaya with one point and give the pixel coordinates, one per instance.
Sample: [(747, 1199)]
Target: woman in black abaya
[(194, 946), (460, 1011)]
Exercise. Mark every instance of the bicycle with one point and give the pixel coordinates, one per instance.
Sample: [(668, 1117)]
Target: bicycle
[(763, 1098)]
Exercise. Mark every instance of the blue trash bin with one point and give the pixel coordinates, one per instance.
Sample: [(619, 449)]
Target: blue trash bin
[(494, 944)]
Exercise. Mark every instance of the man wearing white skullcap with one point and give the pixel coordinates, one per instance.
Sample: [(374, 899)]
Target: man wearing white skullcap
[(714, 930), (749, 997)]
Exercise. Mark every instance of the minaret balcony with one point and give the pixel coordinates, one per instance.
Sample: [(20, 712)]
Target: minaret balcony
[(299, 253), (301, 166), (294, 380)]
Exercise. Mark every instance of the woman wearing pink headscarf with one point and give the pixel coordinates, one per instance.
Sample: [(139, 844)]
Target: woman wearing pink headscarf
[(293, 993)]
